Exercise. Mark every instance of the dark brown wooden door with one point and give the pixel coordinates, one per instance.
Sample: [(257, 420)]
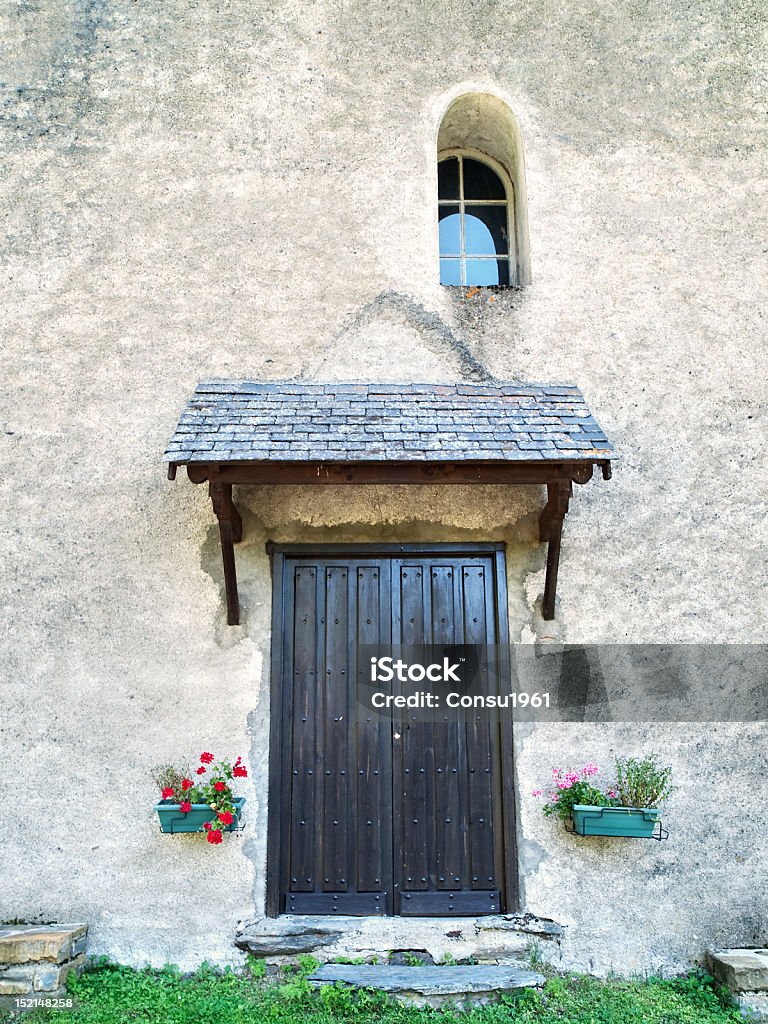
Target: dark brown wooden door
[(372, 814)]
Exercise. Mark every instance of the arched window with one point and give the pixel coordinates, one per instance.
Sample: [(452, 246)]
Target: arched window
[(474, 212), (482, 206)]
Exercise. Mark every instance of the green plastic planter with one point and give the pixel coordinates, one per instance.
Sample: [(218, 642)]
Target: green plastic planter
[(632, 822), (174, 821)]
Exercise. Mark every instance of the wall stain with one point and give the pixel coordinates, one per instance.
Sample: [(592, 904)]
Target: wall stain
[(437, 336)]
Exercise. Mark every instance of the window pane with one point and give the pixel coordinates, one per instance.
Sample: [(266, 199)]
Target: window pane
[(485, 230), (487, 272), (450, 271), (480, 182), (448, 179), (450, 231)]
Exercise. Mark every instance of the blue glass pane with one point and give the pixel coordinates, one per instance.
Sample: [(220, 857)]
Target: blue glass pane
[(450, 271), (450, 231), (477, 237), (483, 272)]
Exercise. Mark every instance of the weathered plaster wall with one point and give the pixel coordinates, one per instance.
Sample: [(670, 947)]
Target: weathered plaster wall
[(204, 189)]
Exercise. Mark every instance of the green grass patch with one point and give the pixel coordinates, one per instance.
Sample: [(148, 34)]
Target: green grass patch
[(110, 994)]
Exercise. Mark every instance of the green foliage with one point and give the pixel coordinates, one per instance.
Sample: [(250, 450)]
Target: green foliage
[(412, 961), (307, 964), (533, 954), (168, 776), (110, 994), (256, 967), (581, 792), (642, 783)]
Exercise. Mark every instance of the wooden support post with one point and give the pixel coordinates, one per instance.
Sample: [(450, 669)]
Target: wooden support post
[(551, 529), (231, 533)]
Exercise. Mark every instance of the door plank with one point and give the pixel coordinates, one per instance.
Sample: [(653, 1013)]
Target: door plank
[(373, 762), (304, 806), (334, 761)]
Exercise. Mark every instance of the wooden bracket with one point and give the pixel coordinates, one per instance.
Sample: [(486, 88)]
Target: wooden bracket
[(231, 533), (550, 529)]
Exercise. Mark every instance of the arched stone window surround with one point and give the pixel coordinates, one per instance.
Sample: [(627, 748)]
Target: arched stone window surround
[(481, 125)]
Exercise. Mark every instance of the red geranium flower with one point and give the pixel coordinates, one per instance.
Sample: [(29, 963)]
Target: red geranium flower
[(167, 792), (214, 836), (219, 787), (201, 770), (226, 818), (186, 806), (206, 758), (239, 771), (187, 784), (207, 826)]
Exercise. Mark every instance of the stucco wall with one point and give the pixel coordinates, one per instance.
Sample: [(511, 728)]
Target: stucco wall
[(212, 189)]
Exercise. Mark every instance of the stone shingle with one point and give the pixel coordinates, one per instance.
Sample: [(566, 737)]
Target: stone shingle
[(250, 421)]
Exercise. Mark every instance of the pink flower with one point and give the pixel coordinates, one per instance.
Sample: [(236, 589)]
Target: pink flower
[(589, 769), (536, 792), (612, 794), (571, 778)]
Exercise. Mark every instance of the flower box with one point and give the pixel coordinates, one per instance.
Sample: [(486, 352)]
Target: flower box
[(631, 822), (174, 820)]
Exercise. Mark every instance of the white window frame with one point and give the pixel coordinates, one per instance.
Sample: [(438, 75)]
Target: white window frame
[(509, 203)]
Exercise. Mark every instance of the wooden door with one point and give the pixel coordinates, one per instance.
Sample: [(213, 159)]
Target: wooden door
[(373, 815)]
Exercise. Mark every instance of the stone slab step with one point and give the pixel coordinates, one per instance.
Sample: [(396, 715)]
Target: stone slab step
[(742, 970), (430, 986), (31, 943)]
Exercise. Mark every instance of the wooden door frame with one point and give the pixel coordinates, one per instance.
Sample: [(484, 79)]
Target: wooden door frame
[(276, 818)]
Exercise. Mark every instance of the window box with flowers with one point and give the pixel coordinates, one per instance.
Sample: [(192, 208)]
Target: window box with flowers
[(630, 807), (206, 805)]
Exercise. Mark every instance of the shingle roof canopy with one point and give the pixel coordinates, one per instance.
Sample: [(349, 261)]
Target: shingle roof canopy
[(229, 421)]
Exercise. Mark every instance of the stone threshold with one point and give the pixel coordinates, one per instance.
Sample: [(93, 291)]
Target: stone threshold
[(492, 939)]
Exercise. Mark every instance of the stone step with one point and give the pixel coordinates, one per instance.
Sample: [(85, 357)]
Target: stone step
[(430, 986), (742, 970), (505, 938), (31, 943)]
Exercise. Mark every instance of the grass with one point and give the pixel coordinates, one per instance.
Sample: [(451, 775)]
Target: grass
[(110, 994)]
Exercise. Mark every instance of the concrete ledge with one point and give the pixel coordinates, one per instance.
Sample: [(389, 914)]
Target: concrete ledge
[(22, 944)]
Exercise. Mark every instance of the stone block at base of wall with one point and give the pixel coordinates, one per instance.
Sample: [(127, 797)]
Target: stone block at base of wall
[(745, 973), (36, 960)]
